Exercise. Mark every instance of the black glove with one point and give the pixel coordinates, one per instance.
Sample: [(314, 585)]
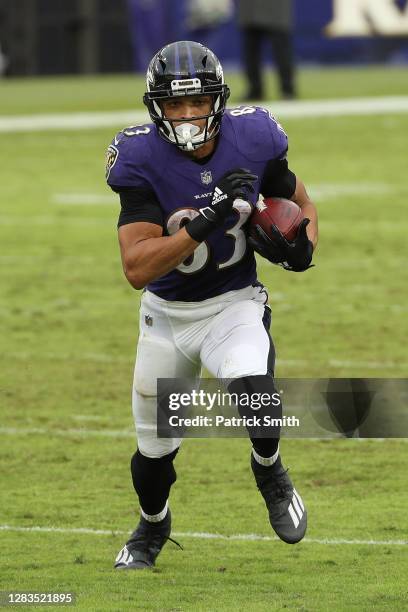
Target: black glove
[(295, 256), (230, 187)]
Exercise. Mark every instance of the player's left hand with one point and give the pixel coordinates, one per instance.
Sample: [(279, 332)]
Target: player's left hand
[(295, 256)]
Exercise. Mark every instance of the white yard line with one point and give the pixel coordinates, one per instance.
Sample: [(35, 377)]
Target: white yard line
[(351, 264), (106, 358), (123, 433), (283, 110), (319, 191), (90, 417), (374, 365), (374, 225), (90, 199), (246, 537), (60, 356), (86, 433), (71, 121), (325, 191), (55, 220)]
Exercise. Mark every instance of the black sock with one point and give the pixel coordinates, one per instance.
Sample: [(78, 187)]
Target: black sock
[(152, 479), (248, 385), (265, 447)]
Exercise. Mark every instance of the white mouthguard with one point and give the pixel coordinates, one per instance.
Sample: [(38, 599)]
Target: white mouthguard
[(186, 133)]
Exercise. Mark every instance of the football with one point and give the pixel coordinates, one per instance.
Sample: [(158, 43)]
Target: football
[(285, 214)]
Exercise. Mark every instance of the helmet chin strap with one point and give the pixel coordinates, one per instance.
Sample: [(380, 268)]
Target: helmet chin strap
[(186, 133)]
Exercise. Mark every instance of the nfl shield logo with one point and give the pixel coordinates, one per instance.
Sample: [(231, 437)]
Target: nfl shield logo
[(206, 177)]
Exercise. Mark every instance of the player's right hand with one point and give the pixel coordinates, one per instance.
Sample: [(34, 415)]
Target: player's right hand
[(229, 187)]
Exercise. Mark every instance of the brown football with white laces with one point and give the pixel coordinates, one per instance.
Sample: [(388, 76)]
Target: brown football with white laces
[(285, 214)]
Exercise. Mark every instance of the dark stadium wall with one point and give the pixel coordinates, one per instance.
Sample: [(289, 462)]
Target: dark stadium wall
[(65, 36), (91, 36)]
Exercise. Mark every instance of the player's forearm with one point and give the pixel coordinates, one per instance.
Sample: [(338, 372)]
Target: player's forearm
[(151, 258), (309, 211)]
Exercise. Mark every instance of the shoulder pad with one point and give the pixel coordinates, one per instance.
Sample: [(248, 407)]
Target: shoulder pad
[(259, 136), (127, 155)]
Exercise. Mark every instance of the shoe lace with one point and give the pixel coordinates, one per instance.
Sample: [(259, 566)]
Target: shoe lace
[(147, 537), (276, 486), (175, 542)]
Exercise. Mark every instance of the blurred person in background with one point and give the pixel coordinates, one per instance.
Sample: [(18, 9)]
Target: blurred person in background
[(209, 21), (3, 62), (271, 20), (208, 13)]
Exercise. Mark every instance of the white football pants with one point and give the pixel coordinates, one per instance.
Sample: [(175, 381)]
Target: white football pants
[(226, 334)]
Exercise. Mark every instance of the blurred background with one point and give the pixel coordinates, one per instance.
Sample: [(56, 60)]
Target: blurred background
[(72, 77), (42, 37)]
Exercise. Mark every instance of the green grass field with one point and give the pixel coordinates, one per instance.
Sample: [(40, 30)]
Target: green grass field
[(68, 336)]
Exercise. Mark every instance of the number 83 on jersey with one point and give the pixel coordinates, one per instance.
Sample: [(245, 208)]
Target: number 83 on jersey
[(199, 259)]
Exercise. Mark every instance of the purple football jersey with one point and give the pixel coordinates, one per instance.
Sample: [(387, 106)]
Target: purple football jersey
[(249, 138)]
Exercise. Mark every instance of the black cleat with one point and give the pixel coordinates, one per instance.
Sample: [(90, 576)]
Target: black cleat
[(287, 513), (144, 545)]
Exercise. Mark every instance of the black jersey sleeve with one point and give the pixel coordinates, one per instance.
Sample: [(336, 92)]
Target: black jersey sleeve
[(138, 205), (278, 180)]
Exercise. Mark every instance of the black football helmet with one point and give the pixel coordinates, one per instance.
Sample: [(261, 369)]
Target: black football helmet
[(186, 68)]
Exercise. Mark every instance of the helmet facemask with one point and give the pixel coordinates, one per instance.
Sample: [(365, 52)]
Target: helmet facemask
[(163, 85)]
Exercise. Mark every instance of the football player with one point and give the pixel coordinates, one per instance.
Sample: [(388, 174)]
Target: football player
[(187, 183)]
